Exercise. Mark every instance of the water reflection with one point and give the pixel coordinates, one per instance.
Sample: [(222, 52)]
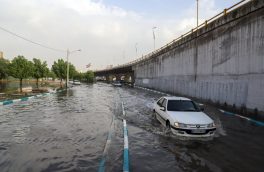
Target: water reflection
[(14, 85)]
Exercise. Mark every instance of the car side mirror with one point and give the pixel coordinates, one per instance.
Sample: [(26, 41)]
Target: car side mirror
[(162, 108)]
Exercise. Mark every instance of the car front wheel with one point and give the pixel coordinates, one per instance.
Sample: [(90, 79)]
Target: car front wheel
[(168, 125)]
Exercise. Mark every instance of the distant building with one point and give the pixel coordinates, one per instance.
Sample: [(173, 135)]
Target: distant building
[(1, 55)]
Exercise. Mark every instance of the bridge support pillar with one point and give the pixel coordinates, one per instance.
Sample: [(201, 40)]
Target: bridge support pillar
[(127, 78), (132, 80), (118, 77), (109, 78)]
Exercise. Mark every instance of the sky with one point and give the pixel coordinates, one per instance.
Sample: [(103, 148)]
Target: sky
[(108, 32)]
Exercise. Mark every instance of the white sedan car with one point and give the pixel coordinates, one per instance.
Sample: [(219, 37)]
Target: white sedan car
[(183, 117), (76, 82)]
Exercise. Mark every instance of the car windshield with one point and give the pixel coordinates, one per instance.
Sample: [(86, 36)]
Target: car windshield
[(182, 105)]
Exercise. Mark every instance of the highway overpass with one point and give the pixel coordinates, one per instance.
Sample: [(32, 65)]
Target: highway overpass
[(221, 61)]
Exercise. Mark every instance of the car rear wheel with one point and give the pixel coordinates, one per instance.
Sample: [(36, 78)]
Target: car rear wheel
[(156, 116), (168, 127)]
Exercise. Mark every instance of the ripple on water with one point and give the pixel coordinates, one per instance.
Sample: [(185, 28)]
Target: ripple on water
[(58, 132)]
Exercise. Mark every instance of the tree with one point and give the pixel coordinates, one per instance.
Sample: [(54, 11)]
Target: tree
[(60, 69), (21, 68), (89, 76), (3, 68), (79, 76), (52, 75), (72, 70), (40, 69)]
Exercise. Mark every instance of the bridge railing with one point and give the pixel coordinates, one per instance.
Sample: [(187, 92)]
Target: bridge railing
[(204, 24)]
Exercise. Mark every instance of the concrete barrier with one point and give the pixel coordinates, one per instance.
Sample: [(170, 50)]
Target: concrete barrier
[(8, 102), (222, 62)]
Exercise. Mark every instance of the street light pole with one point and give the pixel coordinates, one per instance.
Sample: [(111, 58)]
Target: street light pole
[(68, 66), (196, 43), (67, 79), (197, 12), (154, 36)]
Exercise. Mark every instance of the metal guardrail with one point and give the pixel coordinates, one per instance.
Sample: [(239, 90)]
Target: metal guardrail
[(148, 56)]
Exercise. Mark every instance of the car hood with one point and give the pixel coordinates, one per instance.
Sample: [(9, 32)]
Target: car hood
[(190, 117)]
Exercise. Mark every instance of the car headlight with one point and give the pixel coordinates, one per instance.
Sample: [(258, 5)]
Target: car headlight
[(180, 125), (212, 125)]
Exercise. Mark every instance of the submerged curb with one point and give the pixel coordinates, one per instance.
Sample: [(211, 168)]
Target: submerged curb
[(155, 91), (259, 123), (8, 102)]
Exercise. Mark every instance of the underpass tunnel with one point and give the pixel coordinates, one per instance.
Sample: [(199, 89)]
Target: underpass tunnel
[(109, 78), (118, 77), (126, 76)]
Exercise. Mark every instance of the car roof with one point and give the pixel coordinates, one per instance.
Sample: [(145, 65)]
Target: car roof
[(175, 98)]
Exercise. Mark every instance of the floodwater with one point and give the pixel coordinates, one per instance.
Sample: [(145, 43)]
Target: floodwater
[(68, 131)]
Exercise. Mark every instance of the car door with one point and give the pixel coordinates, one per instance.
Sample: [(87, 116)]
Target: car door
[(163, 113), (158, 105)]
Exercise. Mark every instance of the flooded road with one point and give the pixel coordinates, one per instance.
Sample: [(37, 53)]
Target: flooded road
[(68, 132)]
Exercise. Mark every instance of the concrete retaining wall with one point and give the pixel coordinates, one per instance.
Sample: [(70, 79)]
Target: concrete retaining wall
[(223, 62)]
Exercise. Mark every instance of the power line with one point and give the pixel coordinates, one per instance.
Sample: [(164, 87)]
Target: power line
[(33, 42)]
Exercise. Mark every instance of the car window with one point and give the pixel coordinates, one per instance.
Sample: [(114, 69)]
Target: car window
[(164, 103), (160, 101), (182, 105)]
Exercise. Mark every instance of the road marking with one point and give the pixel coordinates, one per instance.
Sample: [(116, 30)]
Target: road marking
[(123, 109), (107, 145), (243, 117), (126, 150)]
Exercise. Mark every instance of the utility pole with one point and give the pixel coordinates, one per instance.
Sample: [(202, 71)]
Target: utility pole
[(196, 43), (68, 66)]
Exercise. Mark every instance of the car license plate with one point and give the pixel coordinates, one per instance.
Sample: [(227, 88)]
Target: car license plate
[(198, 131)]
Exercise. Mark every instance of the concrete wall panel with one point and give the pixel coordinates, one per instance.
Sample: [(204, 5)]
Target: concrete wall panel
[(224, 64)]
